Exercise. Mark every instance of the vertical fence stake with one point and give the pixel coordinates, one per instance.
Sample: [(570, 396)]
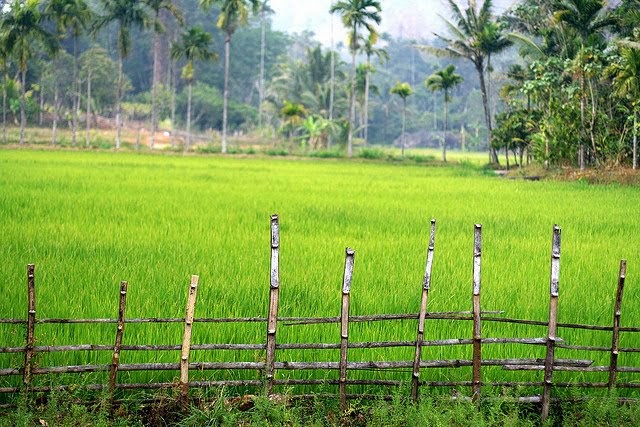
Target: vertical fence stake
[(426, 285), (344, 322), (186, 340), (274, 292), (553, 321), (615, 340), (477, 336), (31, 324), (115, 359)]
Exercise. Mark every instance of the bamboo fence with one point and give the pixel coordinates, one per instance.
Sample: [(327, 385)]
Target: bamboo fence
[(267, 369)]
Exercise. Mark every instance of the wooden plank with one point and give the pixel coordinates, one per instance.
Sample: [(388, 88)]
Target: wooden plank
[(426, 285), (31, 325), (554, 285), (615, 336), (115, 359), (344, 321), (186, 339), (477, 335), (274, 292)]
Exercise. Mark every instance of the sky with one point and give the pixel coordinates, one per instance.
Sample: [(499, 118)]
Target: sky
[(413, 19)]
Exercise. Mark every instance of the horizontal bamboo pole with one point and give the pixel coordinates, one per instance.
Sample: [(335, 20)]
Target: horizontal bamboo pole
[(301, 365), (570, 368), (446, 315), (289, 346), (290, 321)]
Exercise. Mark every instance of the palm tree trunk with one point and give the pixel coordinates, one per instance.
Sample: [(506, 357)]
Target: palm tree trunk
[(4, 102), (366, 101), (446, 125), (88, 120), (154, 85), (331, 84), (23, 117), (54, 131), (352, 108), (225, 92), (173, 104), (119, 103), (582, 119), (188, 143), (635, 140), (75, 92), (261, 82), (404, 115), (41, 112), (487, 116)]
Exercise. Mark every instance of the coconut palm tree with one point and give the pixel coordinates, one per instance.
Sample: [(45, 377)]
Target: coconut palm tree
[(444, 80), (126, 14), (469, 38), (369, 49), (194, 45), (265, 10), (403, 90), (4, 58), (233, 14), (19, 29), (292, 115), (158, 6), (73, 16), (357, 15), (587, 19), (626, 81)]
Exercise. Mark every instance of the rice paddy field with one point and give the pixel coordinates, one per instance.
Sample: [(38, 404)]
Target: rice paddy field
[(91, 219)]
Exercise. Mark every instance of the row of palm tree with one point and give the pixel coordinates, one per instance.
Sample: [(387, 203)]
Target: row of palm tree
[(24, 24)]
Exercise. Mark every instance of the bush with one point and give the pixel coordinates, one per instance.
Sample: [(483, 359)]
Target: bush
[(327, 154), (371, 153), (277, 152)]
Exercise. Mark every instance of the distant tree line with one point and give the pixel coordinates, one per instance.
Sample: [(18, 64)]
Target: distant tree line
[(555, 81)]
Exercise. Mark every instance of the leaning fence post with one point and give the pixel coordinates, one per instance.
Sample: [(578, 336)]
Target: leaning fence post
[(115, 359), (553, 321), (274, 292), (186, 340), (426, 285), (615, 340), (31, 324), (344, 322), (477, 336)]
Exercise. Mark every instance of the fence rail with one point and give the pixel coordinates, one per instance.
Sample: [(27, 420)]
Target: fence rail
[(268, 368)]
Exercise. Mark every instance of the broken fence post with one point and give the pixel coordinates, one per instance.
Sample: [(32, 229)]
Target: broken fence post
[(344, 325), (186, 339), (615, 339), (115, 359), (426, 285), (274, 291), (553, 321), (31, 325), (477, 336)]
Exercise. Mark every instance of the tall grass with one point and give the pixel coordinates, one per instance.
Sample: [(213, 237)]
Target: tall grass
[(89, 220)]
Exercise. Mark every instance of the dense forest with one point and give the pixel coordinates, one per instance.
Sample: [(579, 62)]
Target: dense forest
[(552, 81)]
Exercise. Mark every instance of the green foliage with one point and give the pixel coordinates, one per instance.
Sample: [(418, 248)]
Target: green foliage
[(371, 153)]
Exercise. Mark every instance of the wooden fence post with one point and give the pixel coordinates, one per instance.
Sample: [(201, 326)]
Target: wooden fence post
[(31, 324), (344, 322), (426, 285), (615, 340), (115, 359), (186, 340), (274, 292), (553, 321), (477, 336)]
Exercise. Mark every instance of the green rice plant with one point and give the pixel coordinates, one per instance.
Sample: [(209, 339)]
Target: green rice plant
[(91, 219)]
